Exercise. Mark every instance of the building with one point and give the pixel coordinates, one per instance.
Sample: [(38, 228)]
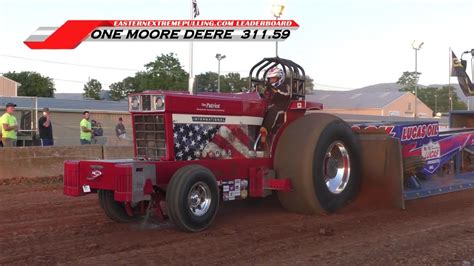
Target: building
[(391, 103), (67, 114), (104, 95), (8, 87)]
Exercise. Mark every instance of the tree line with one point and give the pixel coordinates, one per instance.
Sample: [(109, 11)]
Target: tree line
[(437, 98), (164, 73), (167, 73)]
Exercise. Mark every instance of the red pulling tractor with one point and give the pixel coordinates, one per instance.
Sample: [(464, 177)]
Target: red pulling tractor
[(194, 151)]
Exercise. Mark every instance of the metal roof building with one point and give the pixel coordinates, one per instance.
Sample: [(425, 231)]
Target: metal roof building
[(65, 105), (385, 103), (8, 87)]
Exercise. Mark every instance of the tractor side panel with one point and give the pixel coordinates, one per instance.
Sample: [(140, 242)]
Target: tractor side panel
[(224, 170)]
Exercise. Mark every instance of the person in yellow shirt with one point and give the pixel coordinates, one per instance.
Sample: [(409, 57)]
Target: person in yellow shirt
[(9, 126), (86, 129)]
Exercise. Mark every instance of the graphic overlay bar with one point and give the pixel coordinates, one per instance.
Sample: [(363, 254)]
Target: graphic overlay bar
[(73, 32)]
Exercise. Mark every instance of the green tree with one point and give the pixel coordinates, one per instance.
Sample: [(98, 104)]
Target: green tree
[(92, 89), (120, 90), (207, 81), (165, 73), (408, 81), (117, 91), (32, 83), (435, 98), (438, 99), (143, 81), (232, 82), (309, 85)]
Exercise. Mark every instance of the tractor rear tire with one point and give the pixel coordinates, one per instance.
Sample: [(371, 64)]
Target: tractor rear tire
[(115, 210), (192, 198), (314, 152)]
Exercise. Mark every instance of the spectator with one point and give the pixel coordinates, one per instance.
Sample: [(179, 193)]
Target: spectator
[(9, 126), (86, 129), (97, 129), (46, 128), (97, 132), (120, 129)]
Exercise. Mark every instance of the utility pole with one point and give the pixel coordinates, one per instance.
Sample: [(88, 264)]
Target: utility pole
[(277, 10), (416, 46), (191, 48), (219, 57)]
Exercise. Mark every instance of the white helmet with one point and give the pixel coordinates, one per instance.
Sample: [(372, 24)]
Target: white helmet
[(276, 72)]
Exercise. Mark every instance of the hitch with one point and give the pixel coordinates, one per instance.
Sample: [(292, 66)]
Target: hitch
[(262, 182)]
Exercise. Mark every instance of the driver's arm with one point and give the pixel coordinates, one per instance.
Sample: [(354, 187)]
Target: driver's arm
[(285, 93), (283, 90)]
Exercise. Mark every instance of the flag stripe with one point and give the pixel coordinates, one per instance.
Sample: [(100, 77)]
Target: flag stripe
[(224, 144), (240, 135)]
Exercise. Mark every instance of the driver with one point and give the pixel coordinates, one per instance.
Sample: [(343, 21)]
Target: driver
[(278, 92)]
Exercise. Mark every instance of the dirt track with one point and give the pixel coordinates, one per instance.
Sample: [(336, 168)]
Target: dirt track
[(39, 225)]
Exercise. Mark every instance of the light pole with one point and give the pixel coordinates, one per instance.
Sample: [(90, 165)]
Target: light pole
[(416, 46), (450, 99), (277, 9), (219, 57), (436, 104)]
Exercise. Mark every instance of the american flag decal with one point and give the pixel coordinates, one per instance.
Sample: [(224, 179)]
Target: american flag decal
[(204, 141)]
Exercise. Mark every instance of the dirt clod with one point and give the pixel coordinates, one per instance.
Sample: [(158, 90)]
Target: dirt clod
[(326, 231)]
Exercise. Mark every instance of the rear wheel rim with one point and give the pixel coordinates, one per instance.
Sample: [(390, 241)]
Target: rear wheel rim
[(336, 167), (199, 199)]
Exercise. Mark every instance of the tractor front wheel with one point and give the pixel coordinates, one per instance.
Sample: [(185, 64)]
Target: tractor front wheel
[(192, 198)]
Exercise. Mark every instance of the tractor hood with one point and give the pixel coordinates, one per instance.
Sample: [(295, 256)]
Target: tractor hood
[(247, 104)]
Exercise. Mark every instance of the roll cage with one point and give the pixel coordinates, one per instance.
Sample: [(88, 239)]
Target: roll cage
[(294, 76)]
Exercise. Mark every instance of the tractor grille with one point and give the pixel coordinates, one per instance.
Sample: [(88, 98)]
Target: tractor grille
[(150, 136)]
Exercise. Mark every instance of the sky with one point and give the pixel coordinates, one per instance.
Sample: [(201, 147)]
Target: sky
[(342, 44)]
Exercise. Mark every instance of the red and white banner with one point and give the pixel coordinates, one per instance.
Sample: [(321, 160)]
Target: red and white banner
[(73, 32)]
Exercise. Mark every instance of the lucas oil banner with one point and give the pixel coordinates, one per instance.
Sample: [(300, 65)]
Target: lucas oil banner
[(424, 139)]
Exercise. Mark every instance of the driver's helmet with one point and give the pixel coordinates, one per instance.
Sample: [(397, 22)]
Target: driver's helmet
[(276, 72)]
